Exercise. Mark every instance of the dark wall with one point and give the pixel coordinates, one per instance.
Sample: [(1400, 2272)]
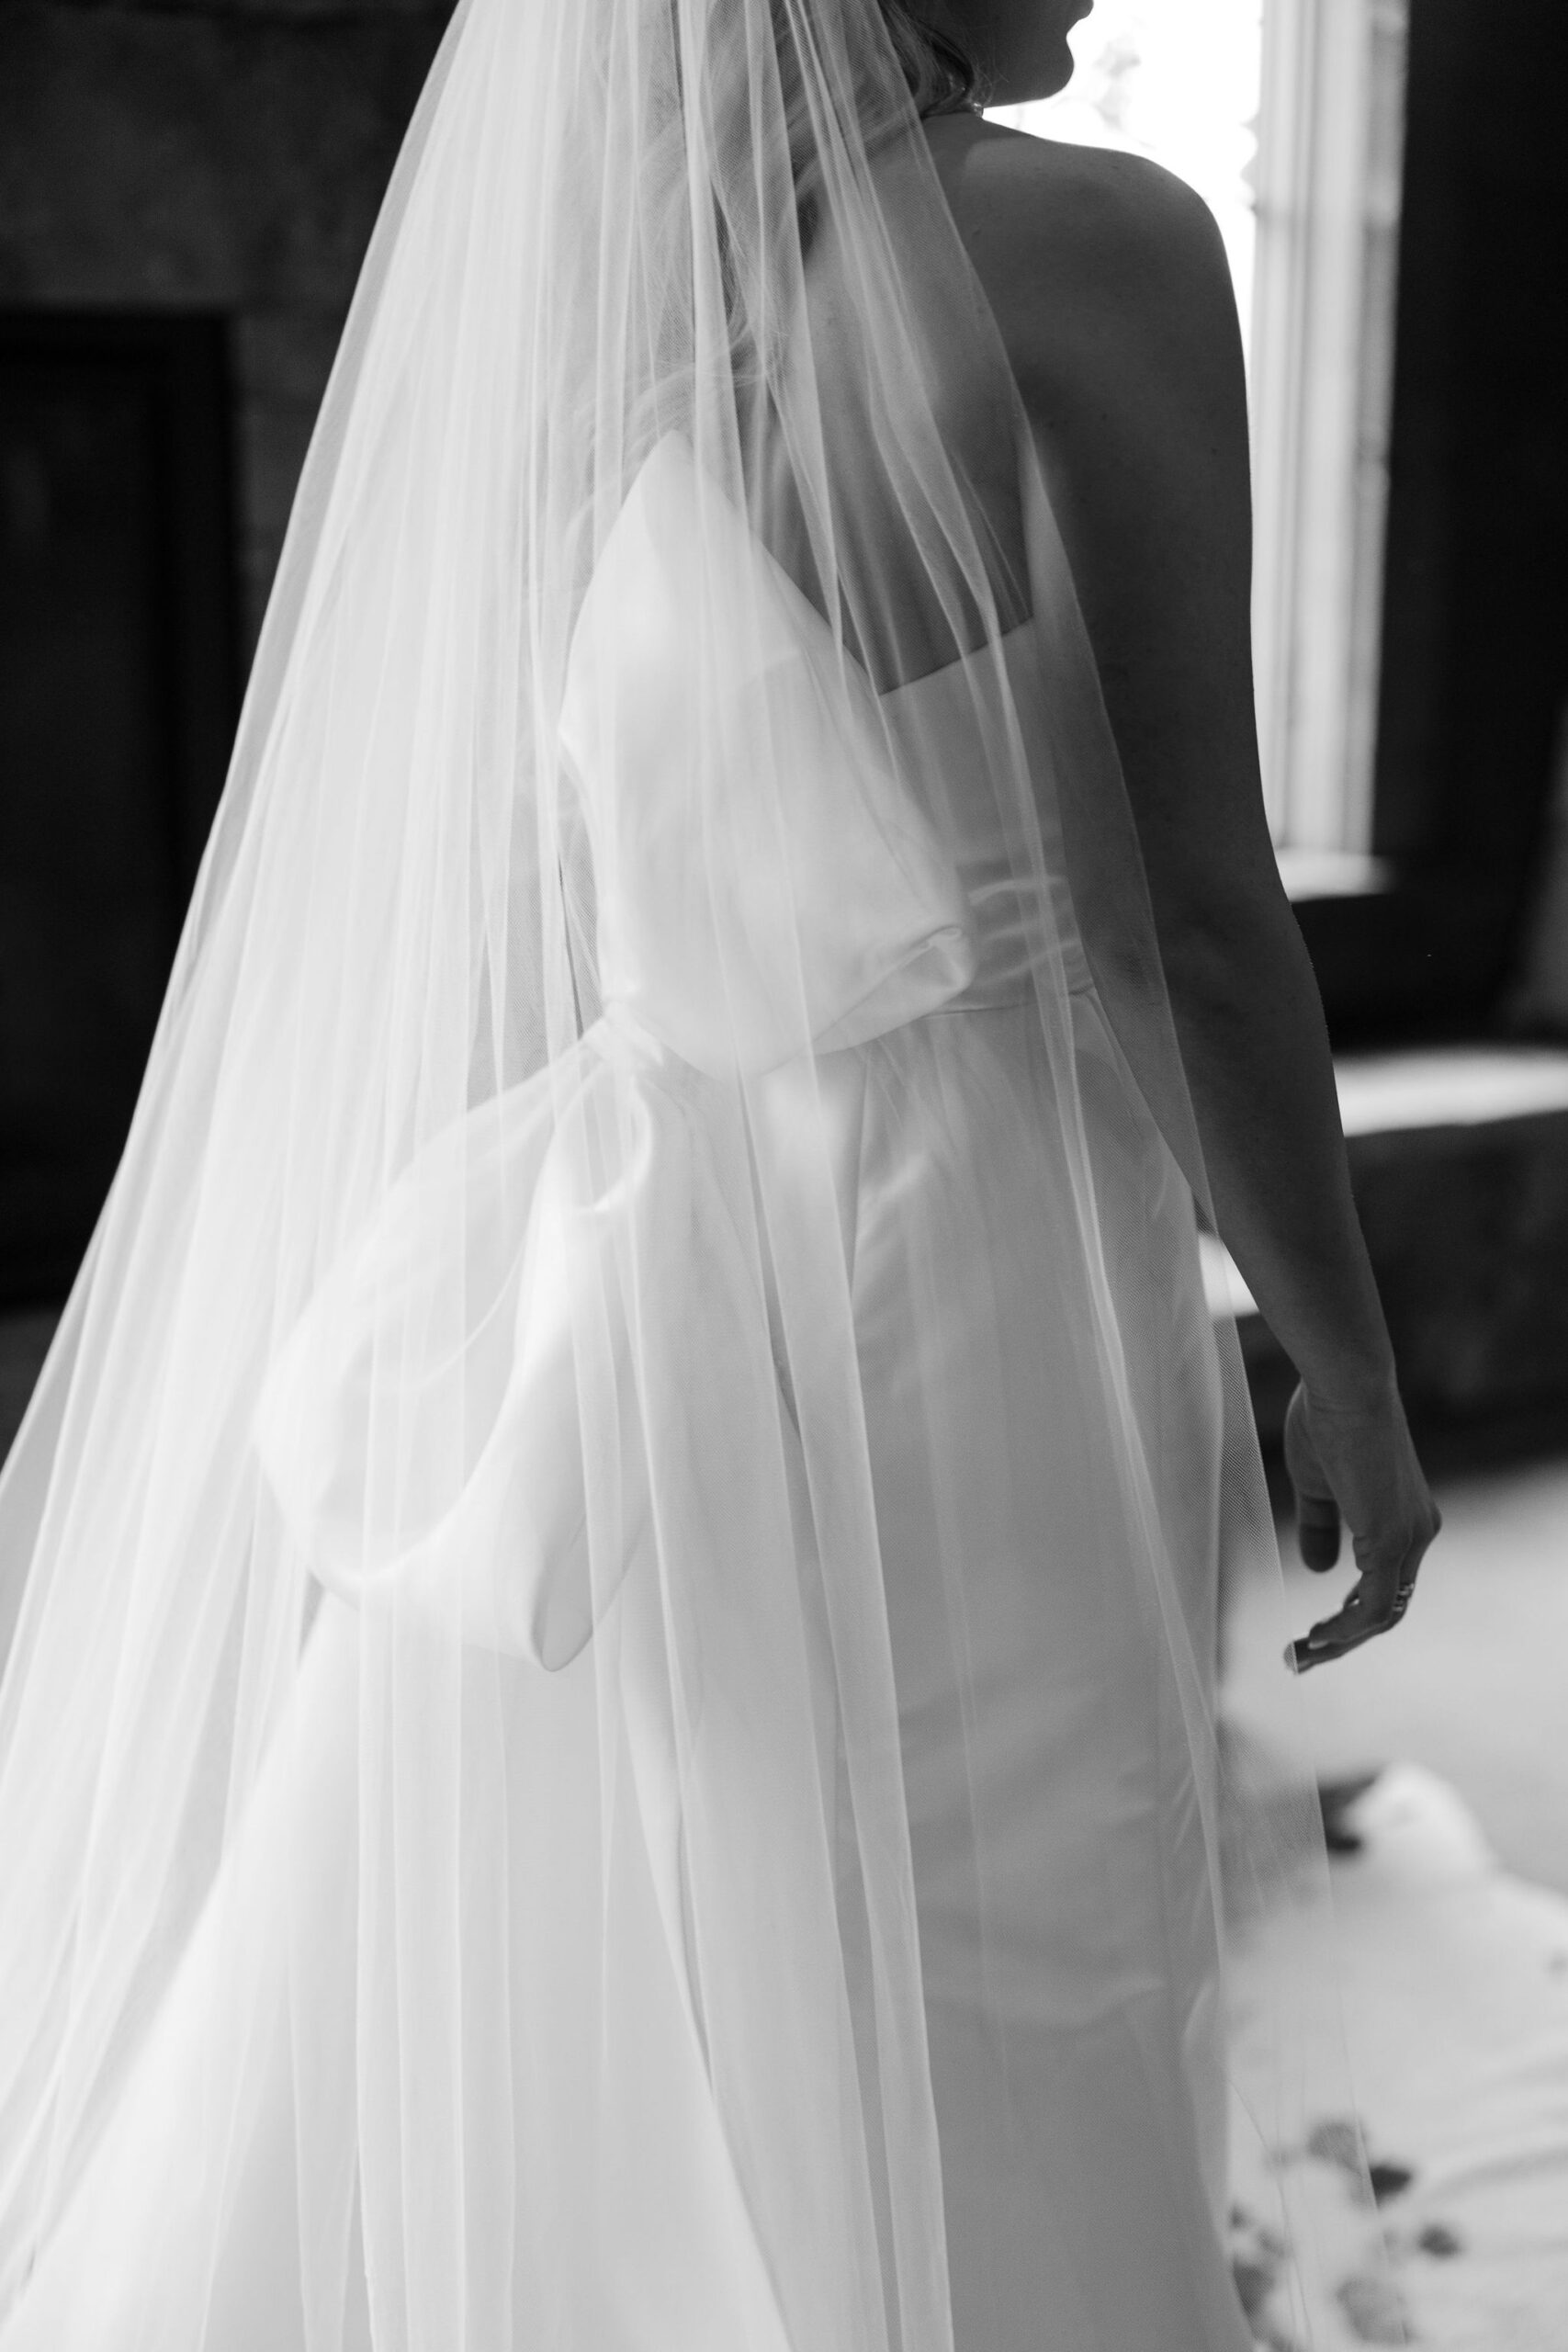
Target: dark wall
[(118, 693), (216, 155), (1475, 637), (186, 189)]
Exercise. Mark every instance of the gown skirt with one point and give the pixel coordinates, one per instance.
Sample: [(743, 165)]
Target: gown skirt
[(1060, 1809), (1065, 1892)]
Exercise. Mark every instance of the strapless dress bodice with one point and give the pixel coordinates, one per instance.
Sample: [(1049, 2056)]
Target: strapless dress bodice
[(782, 857), (939, 724)]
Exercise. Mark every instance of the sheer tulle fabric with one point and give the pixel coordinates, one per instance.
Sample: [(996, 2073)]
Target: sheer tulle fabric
[(613, 1567)]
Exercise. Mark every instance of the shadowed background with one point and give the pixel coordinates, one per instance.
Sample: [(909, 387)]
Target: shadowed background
[(185, 195)]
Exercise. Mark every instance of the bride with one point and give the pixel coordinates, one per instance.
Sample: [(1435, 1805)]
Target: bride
[(610, 1734)]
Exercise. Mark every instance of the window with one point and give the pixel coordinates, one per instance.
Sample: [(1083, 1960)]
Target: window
[(1286, 116)]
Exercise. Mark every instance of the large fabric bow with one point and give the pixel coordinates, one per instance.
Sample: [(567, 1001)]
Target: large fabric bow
[(466, 1413)]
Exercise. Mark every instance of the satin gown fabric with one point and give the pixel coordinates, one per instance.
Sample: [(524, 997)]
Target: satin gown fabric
[(1064, 1879), (1068, 1929), (1064, 1882)]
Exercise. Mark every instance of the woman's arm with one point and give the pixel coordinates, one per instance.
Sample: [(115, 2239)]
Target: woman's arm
[(1110, 285)]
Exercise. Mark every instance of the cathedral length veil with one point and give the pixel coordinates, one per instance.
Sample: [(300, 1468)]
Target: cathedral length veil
[(456, 1859)]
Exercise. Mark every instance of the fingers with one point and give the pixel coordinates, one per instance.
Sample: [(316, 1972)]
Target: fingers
[(1317, 1510), (1336, 1636), (1375, 1604), (1358, 1459), (1318, 1531)]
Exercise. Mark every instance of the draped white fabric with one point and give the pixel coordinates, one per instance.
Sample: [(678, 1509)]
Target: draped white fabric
[(611, 1735)]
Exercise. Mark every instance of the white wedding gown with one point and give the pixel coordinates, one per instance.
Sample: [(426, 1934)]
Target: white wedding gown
[(1066, 1882), (1067, 1928)]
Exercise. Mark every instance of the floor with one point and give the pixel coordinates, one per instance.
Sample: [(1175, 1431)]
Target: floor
[(1473, 1685), (1443, 2053)]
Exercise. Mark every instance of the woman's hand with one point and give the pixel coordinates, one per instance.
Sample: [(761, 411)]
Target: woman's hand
[(1357, 1462)]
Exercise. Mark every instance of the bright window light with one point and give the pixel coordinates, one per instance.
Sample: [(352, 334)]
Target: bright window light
[(1176, 80), (1310, 220)]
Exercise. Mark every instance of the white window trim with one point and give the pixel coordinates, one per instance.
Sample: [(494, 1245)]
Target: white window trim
[(1328, 168)]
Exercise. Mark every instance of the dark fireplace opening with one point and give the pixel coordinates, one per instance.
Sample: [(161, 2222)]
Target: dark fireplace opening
[(119, 690)]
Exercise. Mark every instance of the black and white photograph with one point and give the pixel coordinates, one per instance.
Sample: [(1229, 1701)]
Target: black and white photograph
[(784, 1175)]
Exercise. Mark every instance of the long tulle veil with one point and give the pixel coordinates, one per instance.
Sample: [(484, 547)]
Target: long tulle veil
[(452, 1830)]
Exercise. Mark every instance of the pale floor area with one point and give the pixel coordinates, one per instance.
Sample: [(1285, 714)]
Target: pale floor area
[(1473, 1685)]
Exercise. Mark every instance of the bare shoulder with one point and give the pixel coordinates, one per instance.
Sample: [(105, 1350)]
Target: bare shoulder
[(1088, 257), (1081, 211)]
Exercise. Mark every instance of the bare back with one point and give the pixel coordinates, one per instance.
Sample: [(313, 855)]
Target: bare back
[(898, 625)]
